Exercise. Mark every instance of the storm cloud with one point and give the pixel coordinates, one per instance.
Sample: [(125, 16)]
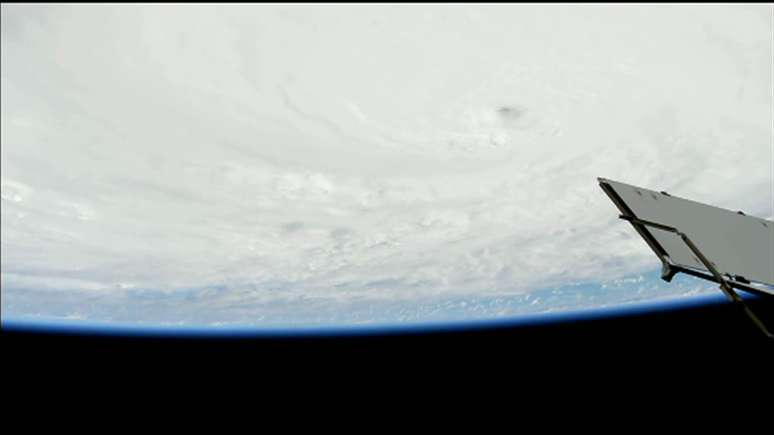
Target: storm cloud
[(335, 153)]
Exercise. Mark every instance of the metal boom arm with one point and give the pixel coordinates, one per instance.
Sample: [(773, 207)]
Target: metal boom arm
[(724, 284)]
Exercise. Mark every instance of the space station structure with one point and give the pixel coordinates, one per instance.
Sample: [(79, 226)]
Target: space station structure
[(727, 247)]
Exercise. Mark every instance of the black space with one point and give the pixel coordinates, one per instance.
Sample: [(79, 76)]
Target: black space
[(712, 341)]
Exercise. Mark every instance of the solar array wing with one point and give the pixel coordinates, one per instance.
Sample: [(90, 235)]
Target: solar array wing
[(740, 247)]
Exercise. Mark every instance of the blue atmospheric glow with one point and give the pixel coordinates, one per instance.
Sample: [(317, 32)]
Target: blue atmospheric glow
[(252, 331)]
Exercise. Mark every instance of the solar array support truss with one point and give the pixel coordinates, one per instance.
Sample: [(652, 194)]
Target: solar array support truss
[(737, 251)]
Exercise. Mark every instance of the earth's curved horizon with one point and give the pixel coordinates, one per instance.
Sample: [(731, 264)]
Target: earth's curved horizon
[(107, 328)]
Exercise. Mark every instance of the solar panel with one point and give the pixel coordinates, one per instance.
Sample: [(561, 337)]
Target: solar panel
[(730, 248), (740, 247)]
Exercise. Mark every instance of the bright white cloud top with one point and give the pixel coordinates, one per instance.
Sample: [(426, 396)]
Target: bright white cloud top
[(288, 162)]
